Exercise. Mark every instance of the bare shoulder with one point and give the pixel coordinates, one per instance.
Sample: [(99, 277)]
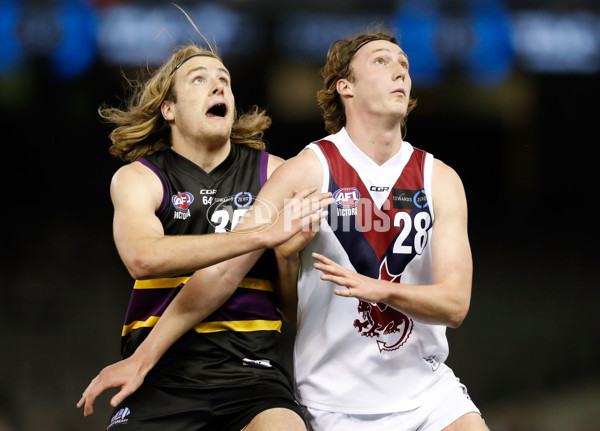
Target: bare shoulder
[(306, 159), (445, 177), (300, 172), (131, 172), (447, 187), (135, 179), (305, 169), (274, 163)]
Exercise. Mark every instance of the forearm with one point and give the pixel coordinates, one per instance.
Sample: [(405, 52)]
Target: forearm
[(204, 293), (160, 255), (435, 304), (445, 302), (177, 319), (174, 255), (287, 294)]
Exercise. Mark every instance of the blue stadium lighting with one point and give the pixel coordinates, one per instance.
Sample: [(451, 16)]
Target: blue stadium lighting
[(11, 50), (76, 51), (417, 23), (482, 41), (476, 41)]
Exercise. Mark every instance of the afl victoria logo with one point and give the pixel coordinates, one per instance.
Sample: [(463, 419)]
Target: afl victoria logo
[(346, 197), (182, 200)]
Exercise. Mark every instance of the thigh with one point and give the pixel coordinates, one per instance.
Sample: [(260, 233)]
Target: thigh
[(452, 409), (153, 408), (282, 419), (448, 404), (321, 420), (253, 407)]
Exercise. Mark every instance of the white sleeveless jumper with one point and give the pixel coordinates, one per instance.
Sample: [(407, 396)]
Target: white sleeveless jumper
[(352, 356)]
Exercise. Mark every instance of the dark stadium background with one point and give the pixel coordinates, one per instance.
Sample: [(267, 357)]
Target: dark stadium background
[(507, 94)]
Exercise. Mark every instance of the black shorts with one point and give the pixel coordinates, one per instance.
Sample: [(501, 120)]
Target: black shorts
[(153, 408)]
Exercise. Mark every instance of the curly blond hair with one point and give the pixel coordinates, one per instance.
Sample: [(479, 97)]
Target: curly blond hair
[(140, 127), (338, 67)]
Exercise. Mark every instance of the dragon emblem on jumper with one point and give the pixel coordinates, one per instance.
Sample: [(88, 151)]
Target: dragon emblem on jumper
[(389, 326)]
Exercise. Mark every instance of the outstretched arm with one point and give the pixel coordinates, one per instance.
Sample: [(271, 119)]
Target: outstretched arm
[(204, 292), (446, 301), (147, 252)]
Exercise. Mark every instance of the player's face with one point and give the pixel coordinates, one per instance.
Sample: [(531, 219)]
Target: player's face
[(205, 105), (381, 84)]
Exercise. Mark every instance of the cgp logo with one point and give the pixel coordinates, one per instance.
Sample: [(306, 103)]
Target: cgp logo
[(346, 197)]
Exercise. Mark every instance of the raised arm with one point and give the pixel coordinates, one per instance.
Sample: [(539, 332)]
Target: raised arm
[(446, 301)]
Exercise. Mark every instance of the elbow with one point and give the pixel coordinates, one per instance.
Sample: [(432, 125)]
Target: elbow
[(142, 267), (457, 316), (457, 304), (455, 322), (139, 271)]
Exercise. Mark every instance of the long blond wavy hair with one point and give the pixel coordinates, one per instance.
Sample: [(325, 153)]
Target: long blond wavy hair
[(140, 127), (338, 67)]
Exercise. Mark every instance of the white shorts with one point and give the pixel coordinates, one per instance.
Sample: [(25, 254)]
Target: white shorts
[(450, 402)]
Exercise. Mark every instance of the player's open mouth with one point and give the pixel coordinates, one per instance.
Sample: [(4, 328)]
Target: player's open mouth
[(217, 110)]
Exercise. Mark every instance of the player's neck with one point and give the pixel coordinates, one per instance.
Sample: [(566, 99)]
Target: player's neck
[(207, 157), (379, 143)]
